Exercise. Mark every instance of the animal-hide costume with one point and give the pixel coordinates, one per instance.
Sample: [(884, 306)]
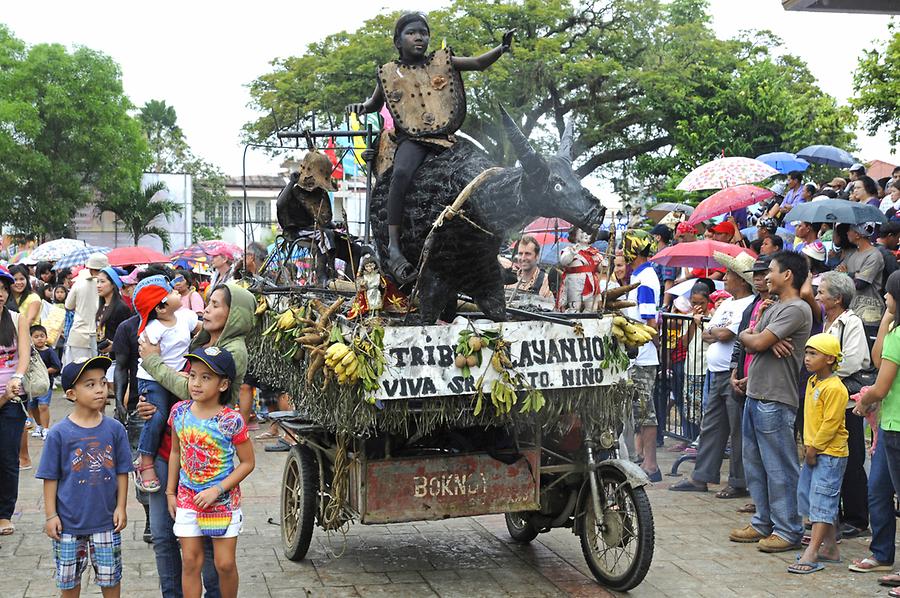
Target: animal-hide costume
[(427, 101)]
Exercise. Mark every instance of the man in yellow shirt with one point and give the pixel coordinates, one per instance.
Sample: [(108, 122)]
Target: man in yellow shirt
[(819, 489)]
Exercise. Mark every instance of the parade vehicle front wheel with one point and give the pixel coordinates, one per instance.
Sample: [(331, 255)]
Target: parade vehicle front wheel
[(618, 545), (299, 490), (520, 527)]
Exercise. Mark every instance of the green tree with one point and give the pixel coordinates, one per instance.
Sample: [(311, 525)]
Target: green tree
[(641, 78), (66, 136), (138, 210), (877, 87), (172, 153)]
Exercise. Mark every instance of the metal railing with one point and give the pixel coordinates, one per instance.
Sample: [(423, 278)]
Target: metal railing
[(682, 372)]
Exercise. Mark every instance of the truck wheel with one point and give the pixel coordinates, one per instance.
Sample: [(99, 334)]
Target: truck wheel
[(520, 527)]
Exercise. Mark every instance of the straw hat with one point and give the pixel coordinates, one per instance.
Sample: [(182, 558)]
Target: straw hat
[(739, 265)]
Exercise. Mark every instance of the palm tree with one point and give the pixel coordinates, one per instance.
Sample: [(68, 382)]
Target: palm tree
[(141, 207)]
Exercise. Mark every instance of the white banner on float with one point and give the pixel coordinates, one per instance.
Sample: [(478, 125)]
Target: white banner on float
[(420, 359)]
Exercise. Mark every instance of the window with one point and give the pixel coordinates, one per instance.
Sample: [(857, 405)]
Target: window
[(223, 215), (262, 212), (237, 215)]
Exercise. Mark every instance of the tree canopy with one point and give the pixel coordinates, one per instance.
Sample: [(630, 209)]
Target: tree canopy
[(66, 136), (877, 87), (651, 89)]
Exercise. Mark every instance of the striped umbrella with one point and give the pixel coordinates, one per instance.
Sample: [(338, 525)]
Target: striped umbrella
[(56, 249), (78, 257)]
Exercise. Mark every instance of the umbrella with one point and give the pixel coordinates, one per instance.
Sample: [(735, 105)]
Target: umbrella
[(52, 251), (726, 172), (826, 154), (659, 211), (132, 256), (547, 225), (836, 210), (696, 254), (78, 257), (728, 200), (202, 252), (784, 162)]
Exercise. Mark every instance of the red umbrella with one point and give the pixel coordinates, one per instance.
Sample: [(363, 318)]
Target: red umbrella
[(547, 225), (132, 256), (697, 254), (728, 200)]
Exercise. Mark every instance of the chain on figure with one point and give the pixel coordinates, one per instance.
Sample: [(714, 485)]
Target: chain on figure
[(424, 94)]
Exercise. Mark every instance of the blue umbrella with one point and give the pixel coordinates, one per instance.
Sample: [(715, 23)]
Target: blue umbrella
[(78, 257), (784, 162), (826, 154)]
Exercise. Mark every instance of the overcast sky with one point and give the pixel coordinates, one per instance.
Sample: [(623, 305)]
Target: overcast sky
[(199, 56)]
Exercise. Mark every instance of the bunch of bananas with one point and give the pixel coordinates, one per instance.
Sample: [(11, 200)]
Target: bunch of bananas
[(500, 360), (370, 357), (344, 362), (632, 334)]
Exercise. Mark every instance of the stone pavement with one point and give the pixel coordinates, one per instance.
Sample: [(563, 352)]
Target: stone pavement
[(456, 557)]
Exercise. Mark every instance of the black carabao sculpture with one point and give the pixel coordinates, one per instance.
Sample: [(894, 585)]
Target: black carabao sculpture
[(463, 258)]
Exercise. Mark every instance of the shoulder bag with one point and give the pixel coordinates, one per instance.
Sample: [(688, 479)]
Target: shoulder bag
[(860, 378)]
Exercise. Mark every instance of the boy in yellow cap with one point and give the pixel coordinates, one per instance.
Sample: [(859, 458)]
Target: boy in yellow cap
[(825, 438)]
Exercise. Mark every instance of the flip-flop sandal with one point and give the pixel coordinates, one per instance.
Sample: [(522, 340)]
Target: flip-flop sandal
[(869, 564), (747, 508), (890, 581), (804, 568), (894, 592), (731, 492), (7, 530), (687, 486)]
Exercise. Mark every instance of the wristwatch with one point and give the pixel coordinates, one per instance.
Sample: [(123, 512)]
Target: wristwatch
[(17, 377)]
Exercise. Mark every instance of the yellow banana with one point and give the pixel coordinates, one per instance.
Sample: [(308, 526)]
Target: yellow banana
[(620, 321), (348, 357), (351, 368)]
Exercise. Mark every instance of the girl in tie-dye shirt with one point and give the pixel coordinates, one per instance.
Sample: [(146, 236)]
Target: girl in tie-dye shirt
[(203, 490)]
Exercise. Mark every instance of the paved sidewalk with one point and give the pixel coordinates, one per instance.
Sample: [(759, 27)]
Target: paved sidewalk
[(456, 557)]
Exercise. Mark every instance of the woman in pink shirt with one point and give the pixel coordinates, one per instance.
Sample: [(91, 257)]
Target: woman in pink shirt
[(190, 298)]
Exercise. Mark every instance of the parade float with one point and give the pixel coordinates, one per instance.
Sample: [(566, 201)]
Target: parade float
[(430, 396)]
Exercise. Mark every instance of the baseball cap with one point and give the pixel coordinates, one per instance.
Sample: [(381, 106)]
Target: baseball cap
[(837, 181), (73, 371), (761, 264), (724, 227), (219, 360), (815, 250), (857, 168), (4, 273)]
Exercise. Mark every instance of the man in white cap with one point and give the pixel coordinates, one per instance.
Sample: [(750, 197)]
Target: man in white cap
[(81, 343)]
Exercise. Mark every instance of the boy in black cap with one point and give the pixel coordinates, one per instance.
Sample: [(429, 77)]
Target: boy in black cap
[(203, 494), (85, 466)]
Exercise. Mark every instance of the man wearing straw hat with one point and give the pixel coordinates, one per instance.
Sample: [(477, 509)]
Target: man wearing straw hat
[(722, 413)]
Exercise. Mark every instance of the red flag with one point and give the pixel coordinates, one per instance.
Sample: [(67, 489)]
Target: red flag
[(337, 171)]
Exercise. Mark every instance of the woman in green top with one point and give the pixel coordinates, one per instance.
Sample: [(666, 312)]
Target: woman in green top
[(886, 390)]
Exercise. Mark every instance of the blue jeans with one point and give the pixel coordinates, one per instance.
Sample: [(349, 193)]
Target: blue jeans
[(165, 545), (771, 468), (819, 489), (881, 505), (152, 433), (12, 422)]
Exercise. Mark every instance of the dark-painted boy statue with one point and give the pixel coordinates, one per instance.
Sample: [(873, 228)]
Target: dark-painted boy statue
[(425, 96)]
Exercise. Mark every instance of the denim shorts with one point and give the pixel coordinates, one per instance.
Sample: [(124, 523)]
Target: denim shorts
[(34, 402), (819, 488), (71, 556)]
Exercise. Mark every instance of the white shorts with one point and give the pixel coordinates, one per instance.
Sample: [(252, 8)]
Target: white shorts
[(186, 525)]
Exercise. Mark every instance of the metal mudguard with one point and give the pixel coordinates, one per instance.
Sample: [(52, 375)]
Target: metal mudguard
[(634, 475)]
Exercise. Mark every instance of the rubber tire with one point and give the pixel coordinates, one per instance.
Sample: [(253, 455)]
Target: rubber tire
[(645, 538), (520, 534), (301, 464)]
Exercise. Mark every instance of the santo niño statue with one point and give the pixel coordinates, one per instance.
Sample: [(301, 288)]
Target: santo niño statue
[(424, 94)]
